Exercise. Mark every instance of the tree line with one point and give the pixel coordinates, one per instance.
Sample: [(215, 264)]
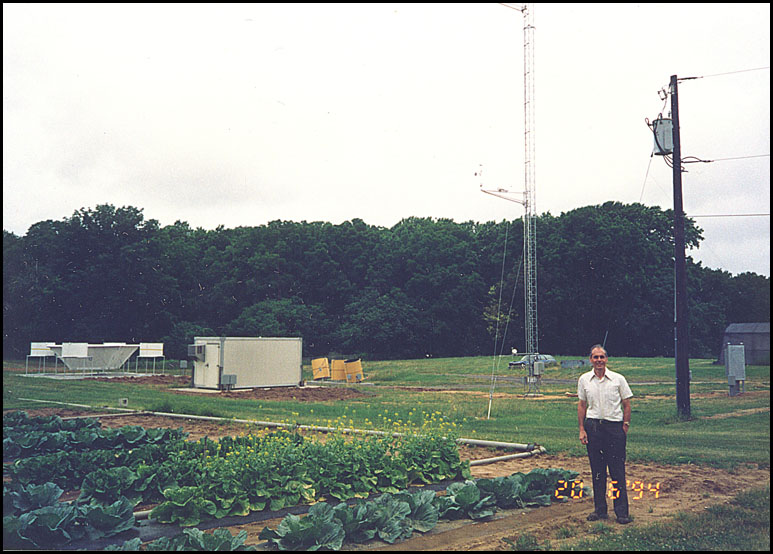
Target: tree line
[(424, 287)]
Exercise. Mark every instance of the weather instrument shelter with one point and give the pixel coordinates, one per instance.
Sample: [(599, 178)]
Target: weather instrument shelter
[(85, 358), (246, 362), (41, 352), (151, 351)]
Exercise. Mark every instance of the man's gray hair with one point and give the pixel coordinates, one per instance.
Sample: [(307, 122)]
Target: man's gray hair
[(594, 347)]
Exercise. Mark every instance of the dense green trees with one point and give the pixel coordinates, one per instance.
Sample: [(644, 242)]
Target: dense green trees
[(424, 287)]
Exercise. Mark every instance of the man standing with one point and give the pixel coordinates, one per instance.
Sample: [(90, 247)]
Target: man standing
[(604, 415)]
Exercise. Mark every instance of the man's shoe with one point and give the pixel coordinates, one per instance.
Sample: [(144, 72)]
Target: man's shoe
[(593, 516), (623, 520)]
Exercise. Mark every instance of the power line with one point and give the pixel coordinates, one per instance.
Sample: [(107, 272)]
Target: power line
[(741, 158), (725, 73), (511, 7), (695, 160), (730, 215)]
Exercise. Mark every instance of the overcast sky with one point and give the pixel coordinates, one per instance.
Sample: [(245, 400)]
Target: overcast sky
[(241, 114)]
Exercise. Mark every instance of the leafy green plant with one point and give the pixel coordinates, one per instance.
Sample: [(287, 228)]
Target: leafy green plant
[(42, 528), (318, 530), (107, 485), (388, 517), (506, 491), (541, 483), (221, 540), (108, 520), (465, 499), (424, 512), (185, 506), (19, 499), (57, 525), (391, 518), (357, 520)]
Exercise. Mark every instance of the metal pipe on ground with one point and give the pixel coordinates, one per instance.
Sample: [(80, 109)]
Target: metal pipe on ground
[(82, 405), (100, 416), (537, 450)]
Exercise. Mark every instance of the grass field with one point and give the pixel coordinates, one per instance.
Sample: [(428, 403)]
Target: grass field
[(723, 431)]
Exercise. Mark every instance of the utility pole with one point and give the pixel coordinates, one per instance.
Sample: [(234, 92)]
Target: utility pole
[(681, 345)]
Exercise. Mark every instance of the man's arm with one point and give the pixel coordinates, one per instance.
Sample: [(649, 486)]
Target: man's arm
[(626, 414), (582, 408)]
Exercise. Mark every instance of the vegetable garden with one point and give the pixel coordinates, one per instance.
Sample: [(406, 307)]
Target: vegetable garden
[(192, 482)]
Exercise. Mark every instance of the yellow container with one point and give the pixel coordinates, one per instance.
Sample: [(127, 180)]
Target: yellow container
[(353, 371), (337, 370), (320, 368)]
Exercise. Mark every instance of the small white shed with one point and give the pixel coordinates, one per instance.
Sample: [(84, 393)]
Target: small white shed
[(246, 362)]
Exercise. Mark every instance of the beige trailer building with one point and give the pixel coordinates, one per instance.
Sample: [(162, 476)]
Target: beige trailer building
[(246, 362)]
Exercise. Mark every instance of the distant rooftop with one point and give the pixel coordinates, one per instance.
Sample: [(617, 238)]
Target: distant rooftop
[(748, 328)]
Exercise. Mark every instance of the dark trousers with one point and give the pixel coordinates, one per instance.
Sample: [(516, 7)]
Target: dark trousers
[(606, 449)]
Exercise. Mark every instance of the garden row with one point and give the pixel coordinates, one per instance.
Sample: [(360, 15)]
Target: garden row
[(33, 518), (395, 517), (25, 437)]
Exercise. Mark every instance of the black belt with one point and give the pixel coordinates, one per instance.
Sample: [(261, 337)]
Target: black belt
[(603, 421)]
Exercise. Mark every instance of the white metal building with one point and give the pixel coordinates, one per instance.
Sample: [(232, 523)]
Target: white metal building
[(246, 362)]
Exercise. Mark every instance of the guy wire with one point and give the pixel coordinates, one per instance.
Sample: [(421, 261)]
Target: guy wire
[(495, 362), (496, 332)]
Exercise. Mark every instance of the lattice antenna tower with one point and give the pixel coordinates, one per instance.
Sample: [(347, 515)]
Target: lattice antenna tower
[(529, 221), (529, 195)]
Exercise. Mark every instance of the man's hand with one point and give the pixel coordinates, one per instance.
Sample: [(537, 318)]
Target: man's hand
[(582, 408)]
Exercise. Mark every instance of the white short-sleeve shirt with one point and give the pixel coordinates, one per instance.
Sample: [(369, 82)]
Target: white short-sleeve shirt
[(604, 397)]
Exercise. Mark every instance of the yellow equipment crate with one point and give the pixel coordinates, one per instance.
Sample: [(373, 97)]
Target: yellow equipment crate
[(353, 371), (320, 368), (337, 370)]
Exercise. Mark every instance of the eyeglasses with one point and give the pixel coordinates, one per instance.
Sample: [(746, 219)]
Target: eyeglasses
[(598, 357)]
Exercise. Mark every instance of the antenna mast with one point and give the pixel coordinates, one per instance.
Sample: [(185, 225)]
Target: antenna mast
[(529, 197), (529, 220)]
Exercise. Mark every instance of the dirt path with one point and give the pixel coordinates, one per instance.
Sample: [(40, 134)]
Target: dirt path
[(686, 488)]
